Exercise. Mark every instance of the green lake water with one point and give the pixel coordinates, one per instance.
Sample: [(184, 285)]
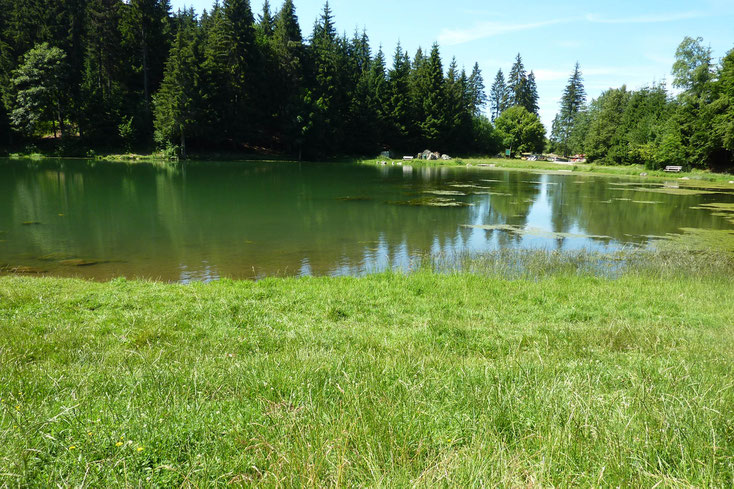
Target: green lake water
[(200, 221)]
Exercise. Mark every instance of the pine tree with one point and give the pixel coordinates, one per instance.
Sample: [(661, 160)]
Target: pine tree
[(146, 33), (572, 102), (266, 23), (498, 96), (434, 124), (516, 82), (102, 88), (399, 102), (175, 102), (476, 88), (329, 95), (530, 95)]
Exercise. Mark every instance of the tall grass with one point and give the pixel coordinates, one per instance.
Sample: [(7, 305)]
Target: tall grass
[(458, 379)]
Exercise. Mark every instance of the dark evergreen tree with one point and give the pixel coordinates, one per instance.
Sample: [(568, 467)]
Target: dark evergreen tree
[(530, 95), (476, 88), (146, 30), (434, 124), (516, 83), (572, 102), (399, 103), (266, 22), (498, 96), (176, 102)]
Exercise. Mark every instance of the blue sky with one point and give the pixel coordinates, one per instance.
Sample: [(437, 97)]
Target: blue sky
[(616, 42)]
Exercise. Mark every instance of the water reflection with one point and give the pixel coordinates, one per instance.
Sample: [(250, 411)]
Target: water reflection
[(202, 221)]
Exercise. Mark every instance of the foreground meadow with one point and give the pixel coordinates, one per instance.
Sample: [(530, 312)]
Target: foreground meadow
[(390, 380)]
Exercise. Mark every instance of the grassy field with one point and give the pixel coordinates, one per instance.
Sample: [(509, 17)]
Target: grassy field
[(424, 380)]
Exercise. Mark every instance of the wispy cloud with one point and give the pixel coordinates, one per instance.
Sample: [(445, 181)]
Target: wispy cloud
[(647, 19), (483, 30)]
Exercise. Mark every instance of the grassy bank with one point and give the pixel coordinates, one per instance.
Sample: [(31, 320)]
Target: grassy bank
[(390, 381), (518, 164)]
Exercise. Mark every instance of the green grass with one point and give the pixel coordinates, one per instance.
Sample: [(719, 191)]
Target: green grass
[(391, 380), (695, 175)]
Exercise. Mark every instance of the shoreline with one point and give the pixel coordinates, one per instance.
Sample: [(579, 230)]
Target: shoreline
[(639, 171)]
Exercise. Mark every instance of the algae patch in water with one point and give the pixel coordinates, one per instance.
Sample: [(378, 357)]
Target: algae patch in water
[(699, 240), (721, 209), (531, 231), (444, 192), (676, 191), (431, 202)]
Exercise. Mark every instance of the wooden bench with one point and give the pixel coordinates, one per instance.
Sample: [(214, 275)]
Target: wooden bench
[(673, 169)]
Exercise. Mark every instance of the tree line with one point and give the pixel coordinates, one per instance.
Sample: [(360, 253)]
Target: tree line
[(110, 74), (652, 126)]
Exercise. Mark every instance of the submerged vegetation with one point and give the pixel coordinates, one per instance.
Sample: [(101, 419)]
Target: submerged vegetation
[(456, 379)]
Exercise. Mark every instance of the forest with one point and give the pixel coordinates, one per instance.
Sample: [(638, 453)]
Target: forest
[(85, 76)]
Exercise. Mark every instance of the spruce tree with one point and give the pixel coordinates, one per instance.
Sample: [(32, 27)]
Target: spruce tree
[(146, 34), (102, 88), (476, 88), (530, 95), (434, 124), (572, 102), (399, 102), (498, 95), (175, 103), (516, 82), (266, 23)]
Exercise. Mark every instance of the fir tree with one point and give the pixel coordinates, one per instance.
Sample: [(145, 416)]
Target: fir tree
[(266, 23), (476, 88), (572, 102), (175, 102), (498, 95), (530, 95), (516, 82), (433, 125), (399, 102)]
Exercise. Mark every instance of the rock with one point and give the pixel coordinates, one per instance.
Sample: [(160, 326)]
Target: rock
[(643, 174), (685, 178), (445, 157)]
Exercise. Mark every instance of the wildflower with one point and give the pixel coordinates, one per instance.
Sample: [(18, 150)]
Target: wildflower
[(17, 408), (140, 449), (118, 444), (72, 447), (89, 434)]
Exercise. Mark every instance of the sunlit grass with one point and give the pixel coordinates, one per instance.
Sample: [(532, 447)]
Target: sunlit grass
[(391, 380)]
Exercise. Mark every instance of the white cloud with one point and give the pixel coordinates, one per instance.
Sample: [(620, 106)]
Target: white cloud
[(483, 30), (646, 19)]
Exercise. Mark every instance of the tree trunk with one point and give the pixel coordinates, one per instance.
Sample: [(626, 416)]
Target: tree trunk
[(183, 145), (146, 88)]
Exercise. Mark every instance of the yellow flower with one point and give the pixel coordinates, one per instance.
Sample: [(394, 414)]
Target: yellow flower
[(118, 444), (90, 433), (140, 449), (72, 447)]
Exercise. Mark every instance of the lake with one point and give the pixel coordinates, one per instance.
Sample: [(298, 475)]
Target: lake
[(200, 221)]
